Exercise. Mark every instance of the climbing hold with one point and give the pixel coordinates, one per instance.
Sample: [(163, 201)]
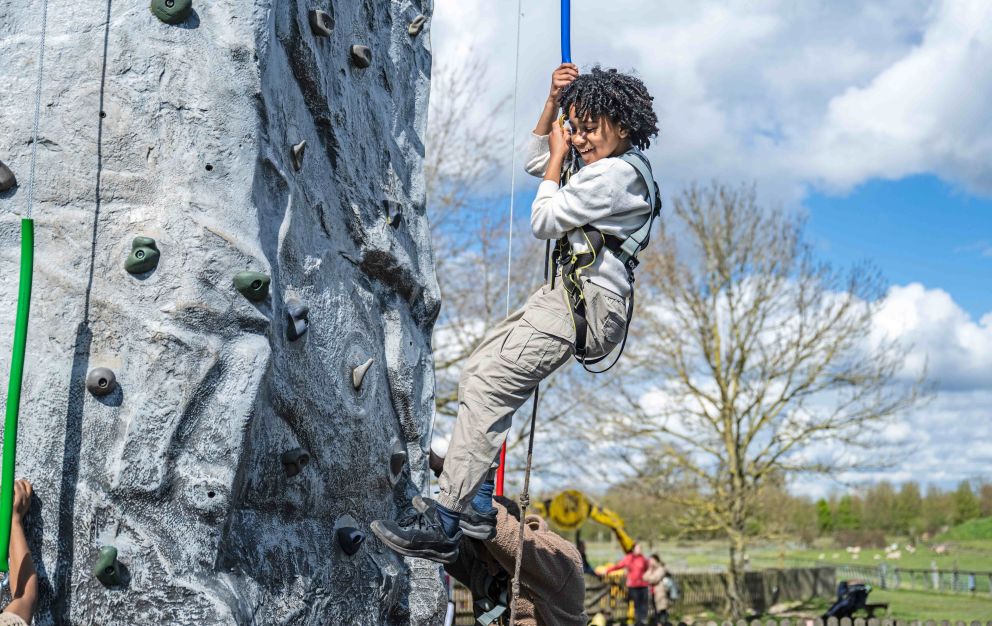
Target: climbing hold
[(397, 461), (361, 56), (293, 461), (297, 155), (321, 23), (350, 539), (144, 256), (101, 381), (252, 285), (106, 569), (7, 179), (358, 374), (296, 318), (172, 11), (416, 25), (394, 212)]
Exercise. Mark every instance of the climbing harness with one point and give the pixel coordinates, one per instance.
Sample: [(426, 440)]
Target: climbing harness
[(20, 328), (572, 263)]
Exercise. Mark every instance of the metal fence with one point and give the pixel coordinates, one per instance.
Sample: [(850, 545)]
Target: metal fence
[(884, 576)]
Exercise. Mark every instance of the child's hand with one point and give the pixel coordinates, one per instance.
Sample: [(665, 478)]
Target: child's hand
[(22, 497), (561, 78), (559, 140)]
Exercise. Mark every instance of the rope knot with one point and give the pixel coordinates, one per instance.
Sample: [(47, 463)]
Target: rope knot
[(524, 500)]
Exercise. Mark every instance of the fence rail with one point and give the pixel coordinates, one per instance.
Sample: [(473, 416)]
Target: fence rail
[(884, 576)]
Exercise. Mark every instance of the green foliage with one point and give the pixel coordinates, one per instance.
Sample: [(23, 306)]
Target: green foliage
[(824, 516), (971, 530), (847, 517), (966, 506)]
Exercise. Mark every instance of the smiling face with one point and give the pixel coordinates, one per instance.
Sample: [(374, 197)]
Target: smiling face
[(597, 139)]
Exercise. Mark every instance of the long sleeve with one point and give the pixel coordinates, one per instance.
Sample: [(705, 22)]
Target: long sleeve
[(587, 198), (624, 562), (537, 155)]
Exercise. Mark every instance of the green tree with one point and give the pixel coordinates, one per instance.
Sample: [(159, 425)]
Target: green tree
[(847, 517), (985, 499), (879, 508), (936, 509), (909, 509), (966, 505), (824, 516)]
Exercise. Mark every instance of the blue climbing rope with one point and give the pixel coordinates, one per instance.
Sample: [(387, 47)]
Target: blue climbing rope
[(566, 31)]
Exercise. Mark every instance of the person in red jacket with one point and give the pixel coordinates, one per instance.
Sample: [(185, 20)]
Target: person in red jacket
[(636, 565)]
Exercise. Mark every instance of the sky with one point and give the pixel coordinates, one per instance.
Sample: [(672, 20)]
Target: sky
[(871, 118)]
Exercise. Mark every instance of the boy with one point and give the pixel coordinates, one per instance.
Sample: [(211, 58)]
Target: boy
[(23, 578), (585, 314)]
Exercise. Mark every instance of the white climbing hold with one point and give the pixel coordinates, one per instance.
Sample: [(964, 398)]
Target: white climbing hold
[(358, 374)]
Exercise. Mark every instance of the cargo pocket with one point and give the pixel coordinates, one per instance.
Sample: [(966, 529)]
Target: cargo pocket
[(531, 351)]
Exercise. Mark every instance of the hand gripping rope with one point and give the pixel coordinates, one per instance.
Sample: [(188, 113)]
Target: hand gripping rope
[(20, 330)]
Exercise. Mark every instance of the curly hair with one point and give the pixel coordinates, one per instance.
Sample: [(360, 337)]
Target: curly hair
[(620, 97)]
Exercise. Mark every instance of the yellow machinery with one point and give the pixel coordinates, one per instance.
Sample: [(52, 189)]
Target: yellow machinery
[(570, 509)]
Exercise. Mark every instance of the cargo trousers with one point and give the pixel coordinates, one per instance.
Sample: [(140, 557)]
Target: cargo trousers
[(502, 372)]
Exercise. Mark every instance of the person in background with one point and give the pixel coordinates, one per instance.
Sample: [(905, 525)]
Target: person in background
[(586, 567), (23, 578), (655, 576), (636, 565)]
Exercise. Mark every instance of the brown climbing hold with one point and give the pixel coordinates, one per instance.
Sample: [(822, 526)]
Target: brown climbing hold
[(7, 179), (293, 461), (358, 374), (416, 25), (361, 56), (321, 23), (297, 155)]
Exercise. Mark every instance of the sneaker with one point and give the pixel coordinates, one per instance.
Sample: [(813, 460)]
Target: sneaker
[(474, 524), (419, 535), (478, 525)]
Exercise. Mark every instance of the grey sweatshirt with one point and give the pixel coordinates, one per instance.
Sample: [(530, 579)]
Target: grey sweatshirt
[(609, 194)]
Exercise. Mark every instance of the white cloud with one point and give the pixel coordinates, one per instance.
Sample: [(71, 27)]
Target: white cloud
[(788, 94)]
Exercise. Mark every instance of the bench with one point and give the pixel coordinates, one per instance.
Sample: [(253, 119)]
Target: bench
[(877, 606)]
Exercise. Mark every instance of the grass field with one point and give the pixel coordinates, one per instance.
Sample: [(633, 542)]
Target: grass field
[(967, 553)]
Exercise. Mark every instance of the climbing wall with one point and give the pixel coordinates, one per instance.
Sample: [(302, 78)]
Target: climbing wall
[(229, 371)]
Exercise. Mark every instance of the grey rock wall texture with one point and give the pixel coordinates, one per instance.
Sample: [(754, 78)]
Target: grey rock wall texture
[(184, 133)]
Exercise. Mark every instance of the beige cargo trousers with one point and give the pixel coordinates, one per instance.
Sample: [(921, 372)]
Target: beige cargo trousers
[(501, 374)]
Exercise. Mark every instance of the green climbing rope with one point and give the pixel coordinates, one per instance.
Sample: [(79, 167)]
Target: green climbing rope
[(14, 390)]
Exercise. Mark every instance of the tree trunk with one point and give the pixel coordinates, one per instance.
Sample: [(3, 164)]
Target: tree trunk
[(736, 600)]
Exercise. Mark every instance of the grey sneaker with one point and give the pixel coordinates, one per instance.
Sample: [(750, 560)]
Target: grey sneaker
[(419, 535)]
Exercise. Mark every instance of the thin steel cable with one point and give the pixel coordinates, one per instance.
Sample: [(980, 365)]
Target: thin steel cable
[(513, 160), (37, 105)]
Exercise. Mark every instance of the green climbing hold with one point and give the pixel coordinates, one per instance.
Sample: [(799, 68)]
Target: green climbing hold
[(106, 569), (361, 56), (7, 179), (416, 26), (144, 256), (101, 381), (321, 23), (172, 11), (252, 285)]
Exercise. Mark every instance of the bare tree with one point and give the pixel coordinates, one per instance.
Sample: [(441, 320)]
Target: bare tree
[(470, 228), (754, 363)]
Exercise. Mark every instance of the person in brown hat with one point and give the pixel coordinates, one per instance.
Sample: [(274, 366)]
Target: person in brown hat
[(23, 577)]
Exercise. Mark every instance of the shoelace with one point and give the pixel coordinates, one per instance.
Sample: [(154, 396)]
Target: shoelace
[(415, 518)]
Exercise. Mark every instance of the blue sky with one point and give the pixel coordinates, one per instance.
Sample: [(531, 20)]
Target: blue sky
[(870, 117)]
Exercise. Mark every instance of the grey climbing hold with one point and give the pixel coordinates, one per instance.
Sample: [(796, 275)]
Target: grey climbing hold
[(172, 11), (7, 179), (350, 539), (252, 285), (361, 56), (296, 318), (101, 381), (397, 461), (106, 569), (358, 374), (297, 155), (144, 256), (321, 23), (293, 461), (416, 25), (394, 212)]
